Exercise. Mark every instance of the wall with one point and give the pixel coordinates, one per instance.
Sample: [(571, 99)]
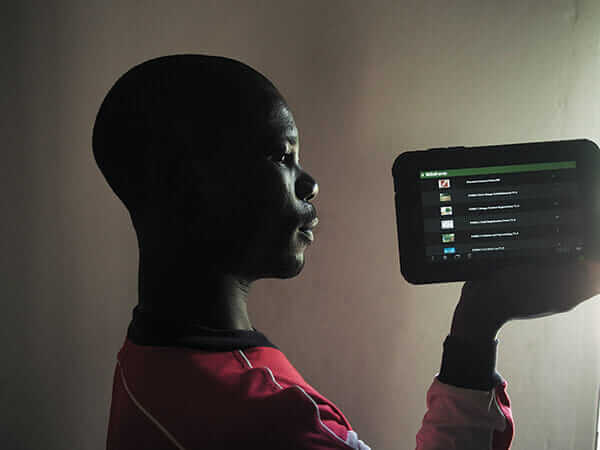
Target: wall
[(365, 83)]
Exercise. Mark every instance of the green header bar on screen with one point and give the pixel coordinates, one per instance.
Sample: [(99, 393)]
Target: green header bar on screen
[(498, 169)]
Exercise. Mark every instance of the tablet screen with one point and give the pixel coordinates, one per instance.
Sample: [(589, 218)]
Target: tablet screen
[(501, 211)]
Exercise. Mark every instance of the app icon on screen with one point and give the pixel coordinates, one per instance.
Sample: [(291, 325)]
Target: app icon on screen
[(446, 210), (444, 183), (444, 197), (449, 237), (447, 224), (449, 250)]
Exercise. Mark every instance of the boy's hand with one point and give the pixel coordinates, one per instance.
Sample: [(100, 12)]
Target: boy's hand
[(522, 292)]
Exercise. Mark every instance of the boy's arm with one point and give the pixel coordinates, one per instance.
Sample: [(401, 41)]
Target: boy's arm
[(467, 404)]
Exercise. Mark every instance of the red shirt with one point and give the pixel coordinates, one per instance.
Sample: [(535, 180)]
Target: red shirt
[(165, 397), (182, 386)]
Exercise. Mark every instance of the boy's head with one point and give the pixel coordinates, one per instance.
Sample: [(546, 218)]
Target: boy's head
[(195, 147)]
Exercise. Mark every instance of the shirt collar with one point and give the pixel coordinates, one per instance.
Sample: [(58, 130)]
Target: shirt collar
[(157, 330)]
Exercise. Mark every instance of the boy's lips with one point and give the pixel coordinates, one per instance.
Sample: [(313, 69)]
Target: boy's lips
[(310, 225), (306, 230)]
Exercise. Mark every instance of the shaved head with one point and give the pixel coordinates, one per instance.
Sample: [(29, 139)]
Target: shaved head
[(169, 112), (204, 153)]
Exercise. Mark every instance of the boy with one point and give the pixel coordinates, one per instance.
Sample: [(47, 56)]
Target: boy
[(204, 153)]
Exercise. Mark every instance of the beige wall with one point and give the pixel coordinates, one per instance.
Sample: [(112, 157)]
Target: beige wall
[(365, 84)]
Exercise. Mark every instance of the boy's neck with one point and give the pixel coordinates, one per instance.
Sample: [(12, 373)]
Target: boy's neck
[(182, 288)]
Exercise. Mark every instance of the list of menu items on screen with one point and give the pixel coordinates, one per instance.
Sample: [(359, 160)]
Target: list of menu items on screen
[(496, 211)]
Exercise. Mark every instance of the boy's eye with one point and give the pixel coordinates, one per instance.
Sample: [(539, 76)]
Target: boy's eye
[(282, 157)]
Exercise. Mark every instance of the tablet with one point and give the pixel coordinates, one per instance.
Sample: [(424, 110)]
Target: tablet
[(462, 212)]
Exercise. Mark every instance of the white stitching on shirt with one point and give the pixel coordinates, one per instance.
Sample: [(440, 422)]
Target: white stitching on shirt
[(146, 413), (246, 359), (304, 392)]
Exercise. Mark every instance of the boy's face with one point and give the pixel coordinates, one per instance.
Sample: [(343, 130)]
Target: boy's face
[(261, 202)]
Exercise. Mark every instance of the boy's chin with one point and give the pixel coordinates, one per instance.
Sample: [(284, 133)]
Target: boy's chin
[(288, 268)]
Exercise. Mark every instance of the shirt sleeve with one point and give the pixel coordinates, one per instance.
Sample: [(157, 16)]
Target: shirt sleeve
[(467, 404), (309, 421)]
